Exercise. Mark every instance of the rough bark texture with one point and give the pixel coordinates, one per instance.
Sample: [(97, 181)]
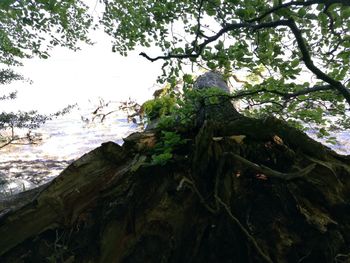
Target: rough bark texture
[(240, 190), (232, 194)]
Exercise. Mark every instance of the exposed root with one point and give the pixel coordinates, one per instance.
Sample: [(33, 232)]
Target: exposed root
[(216, 209), (192, 185), (326, 165), (273, 173), (245, 231)]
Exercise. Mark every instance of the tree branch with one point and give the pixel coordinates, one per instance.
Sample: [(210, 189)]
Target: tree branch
[(225, 29), (13, 139), (10, 96), (306, 57), (198, 24), (298, 3), (307, 91), (237, 79), (309, 63), (283, 94), (276, 8)]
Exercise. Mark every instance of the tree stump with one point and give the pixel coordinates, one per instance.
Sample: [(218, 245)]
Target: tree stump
[(239, 190)]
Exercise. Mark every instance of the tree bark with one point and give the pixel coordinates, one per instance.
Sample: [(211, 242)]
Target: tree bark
[(239, 190), (218, 200)]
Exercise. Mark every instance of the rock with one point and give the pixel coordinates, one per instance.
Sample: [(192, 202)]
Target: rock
[(14, 186)]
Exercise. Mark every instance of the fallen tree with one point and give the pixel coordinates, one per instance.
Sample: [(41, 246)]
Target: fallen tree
[(238, 190)]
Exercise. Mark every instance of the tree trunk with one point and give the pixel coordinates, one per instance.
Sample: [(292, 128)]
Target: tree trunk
[(239, 190), (245, 191)]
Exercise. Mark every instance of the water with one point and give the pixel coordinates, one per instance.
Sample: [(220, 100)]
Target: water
[(341, 145), (64, 139), (68, 137)]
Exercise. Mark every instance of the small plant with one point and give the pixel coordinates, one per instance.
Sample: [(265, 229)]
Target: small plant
[(177, 113), (184, 107), (169, 142), (162, 158), (159, 107)]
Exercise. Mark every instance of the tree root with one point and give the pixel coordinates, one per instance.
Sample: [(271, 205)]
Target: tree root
[(216, 209), (273, 173), (193, 187), (244, 231)]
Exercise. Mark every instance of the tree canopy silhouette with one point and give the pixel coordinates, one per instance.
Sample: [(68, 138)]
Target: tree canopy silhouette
[(229, 188), (297, 52)]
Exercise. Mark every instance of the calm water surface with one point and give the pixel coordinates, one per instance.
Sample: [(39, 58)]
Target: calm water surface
[(69, 137), (65, 139)]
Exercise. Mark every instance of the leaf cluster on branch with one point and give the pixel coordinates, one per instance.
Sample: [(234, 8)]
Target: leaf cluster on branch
[(297, 51), (300, 50), (29, 28)]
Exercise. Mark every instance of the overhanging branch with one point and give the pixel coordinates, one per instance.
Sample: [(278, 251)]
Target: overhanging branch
[(290, 23), (225, 29), (298, 3), (311, 66), (307, 91), (285, 5), (284, 95)]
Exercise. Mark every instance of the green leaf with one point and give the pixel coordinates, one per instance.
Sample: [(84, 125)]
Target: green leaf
[(302, 12), (323, 18), (295, 63), (161, 159)]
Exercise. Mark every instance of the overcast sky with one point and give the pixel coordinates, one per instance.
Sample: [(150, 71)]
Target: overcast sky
[(68, 77), (95, 71)]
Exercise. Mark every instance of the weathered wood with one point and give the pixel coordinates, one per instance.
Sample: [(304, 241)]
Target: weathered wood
[(223, 198), (62, 201), (222, 111)]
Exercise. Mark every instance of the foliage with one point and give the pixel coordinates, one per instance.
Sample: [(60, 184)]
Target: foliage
[(20, 119), (177, 114), (178, 110), (190, 102), (30, 28), (9, 121), (159, 107), (8, 75), (298, 52), (164, 149)]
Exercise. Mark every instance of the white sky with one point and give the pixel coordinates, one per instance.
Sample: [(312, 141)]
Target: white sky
[(95, 71), (67, 77)]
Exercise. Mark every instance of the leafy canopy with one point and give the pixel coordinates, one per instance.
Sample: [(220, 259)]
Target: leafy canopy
[(297, 52), (32, 27), (9, 121)]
